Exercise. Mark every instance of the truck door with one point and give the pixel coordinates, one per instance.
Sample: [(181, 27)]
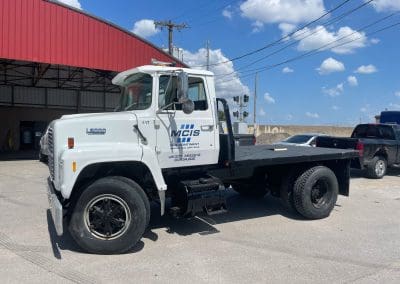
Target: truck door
[(185, 139)]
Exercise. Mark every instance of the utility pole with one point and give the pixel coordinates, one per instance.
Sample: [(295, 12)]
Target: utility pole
[(171, 26), (208, 54), (255, 100)]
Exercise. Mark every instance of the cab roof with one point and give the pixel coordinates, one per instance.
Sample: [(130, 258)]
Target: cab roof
[(152, 69)]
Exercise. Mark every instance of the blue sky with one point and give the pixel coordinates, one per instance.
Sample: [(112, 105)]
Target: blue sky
[(337, 86)]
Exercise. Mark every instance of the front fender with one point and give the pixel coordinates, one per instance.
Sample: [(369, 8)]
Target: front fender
[(85, 156)]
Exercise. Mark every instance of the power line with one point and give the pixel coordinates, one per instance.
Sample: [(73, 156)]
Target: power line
[(295, 39), (321, 48), (282, 38)]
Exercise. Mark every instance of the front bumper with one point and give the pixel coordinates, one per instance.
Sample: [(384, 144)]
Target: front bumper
[(56, 208)]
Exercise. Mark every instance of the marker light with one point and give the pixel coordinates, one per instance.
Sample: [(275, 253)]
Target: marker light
[(71, 142), (74, 166)]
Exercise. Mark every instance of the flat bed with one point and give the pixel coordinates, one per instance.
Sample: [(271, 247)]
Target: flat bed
[(268, 155)]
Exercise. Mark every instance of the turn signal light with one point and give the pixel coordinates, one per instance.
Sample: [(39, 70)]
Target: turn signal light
[(71, 142)]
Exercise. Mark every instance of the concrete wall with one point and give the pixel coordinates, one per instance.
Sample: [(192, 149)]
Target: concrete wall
[(267, 134)]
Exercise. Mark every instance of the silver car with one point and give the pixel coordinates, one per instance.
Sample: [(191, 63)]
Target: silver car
[(305, 139)]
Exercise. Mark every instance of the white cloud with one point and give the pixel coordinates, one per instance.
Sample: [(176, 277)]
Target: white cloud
[(289, 117), (386, 5), (330, 65), (319, 37), (145, 28), (335, 107), (375, 40), (286, 28), (335, 91), (227, 12), (257, 26), (363, 109), (282, 11), (397, 94), (287, 70), (226, 86), (352, 80), (312, 115), (72, 3), (262, 112), (268, 98), (366, 69)]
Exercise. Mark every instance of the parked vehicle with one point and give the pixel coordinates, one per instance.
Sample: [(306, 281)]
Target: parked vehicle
[(391, 117), (305, 139), (105, 169), (378, 146), (44, 147)]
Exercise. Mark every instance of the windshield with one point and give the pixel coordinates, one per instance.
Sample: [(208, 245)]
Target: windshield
[(298, 139), (137, 93)]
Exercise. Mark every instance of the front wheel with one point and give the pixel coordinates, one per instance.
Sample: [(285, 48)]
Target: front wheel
[(377, 167), (315, 192), (109, 217)]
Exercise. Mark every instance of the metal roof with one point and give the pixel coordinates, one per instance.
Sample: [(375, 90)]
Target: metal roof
[(49, 32)]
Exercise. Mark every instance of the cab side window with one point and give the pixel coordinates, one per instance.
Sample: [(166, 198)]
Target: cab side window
[(168, 93), (197, 93)]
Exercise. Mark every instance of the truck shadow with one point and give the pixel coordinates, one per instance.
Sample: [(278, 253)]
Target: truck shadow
[(66, 242), (356, 174), (239, 208)]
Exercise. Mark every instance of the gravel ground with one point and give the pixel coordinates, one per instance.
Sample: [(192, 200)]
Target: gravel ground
[(257, 241)]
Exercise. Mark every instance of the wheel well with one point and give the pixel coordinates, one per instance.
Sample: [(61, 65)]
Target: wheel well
[(382, 153), (136, 171)]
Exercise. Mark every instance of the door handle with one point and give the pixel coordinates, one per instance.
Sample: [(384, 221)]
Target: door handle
[(207, 127)]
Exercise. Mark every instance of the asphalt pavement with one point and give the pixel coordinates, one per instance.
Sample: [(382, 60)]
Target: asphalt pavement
[(257, 241)]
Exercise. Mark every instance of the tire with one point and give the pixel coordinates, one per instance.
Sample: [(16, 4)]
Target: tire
[(377, 168), (141, 192), (315, 193), (42, 158), (286, 193), (118, 230), (250, 190)]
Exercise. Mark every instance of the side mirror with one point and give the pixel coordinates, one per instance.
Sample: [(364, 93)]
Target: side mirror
[(187, 106), (183, 86), (183, 93)]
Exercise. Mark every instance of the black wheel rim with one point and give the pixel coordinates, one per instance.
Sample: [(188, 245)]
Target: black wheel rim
[(320, 193), (107, 216)]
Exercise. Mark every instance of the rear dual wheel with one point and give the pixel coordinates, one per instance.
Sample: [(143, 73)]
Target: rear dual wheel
[(315, 192)]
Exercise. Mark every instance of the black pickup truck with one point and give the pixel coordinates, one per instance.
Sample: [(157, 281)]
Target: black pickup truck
[(378, 146)]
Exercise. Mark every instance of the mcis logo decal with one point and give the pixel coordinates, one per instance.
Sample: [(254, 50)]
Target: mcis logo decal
[(185, 133)]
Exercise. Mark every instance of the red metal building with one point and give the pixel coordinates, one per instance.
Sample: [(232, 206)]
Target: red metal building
[(54, 60)]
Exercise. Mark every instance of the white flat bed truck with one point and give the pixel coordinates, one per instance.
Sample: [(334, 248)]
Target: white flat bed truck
[(163, 143)]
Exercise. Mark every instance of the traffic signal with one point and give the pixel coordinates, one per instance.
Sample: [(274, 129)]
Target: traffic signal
[(246, 98), (245, 114), (236, 114), (236, 99)]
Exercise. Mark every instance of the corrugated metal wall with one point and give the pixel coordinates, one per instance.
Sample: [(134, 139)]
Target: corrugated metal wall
[(42, 31), (57, 98)]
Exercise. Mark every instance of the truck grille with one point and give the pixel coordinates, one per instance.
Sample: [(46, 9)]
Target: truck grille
[(51, 152)]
